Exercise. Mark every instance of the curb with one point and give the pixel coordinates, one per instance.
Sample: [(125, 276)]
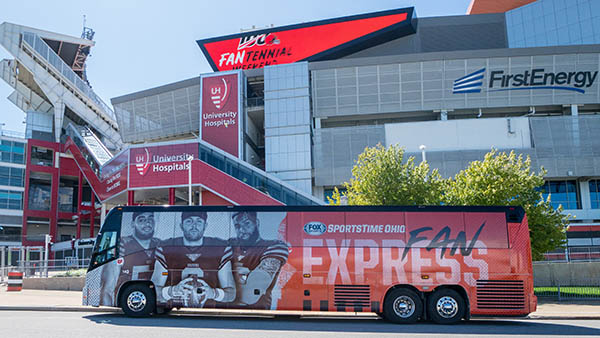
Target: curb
[(57, 308), (349, 315)]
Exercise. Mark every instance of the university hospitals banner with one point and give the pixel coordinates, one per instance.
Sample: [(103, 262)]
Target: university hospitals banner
[(164, 165), (221, 107)]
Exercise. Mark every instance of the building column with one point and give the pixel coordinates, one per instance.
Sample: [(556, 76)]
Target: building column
[(171, 196), (584, 189), (79, 197), (130, 197), (2, 260), (444, 115), (102, 214), (92, 215), (59, 113), (574, 110), (53, 229)]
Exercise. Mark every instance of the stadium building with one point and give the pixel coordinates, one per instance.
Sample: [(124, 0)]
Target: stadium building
[(287, 110)]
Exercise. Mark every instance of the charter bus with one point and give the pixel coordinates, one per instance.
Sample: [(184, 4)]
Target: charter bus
[(437, 263)]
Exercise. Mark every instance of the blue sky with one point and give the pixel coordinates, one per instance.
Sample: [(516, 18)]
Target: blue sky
[(144, 44)]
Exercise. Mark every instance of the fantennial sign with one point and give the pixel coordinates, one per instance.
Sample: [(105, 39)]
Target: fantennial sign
[(314, 41), (538, 78)]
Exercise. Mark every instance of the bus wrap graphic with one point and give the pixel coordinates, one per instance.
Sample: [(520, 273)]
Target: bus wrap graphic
[(538, 78)]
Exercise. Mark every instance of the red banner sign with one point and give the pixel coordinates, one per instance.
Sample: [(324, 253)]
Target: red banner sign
[(114, 176), (159, 166), (320, 40), (220, 115)]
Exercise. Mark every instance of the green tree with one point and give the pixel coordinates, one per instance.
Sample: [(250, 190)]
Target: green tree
[(381, 177), (507, 179)]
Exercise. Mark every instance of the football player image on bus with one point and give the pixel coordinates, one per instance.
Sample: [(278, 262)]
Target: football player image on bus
[(193, 270), (256, 262), (139, 248)]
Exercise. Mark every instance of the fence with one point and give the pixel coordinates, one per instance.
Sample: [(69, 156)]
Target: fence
[(38, 268), (574, 254), (583, 291)]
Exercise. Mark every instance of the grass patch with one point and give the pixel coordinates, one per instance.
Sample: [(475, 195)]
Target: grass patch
[(568, 291), (73, 273)]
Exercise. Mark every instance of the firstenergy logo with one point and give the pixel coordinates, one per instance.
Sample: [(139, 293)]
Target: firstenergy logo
[(529, 79)]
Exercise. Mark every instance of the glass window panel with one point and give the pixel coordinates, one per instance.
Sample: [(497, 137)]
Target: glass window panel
[(595, 193), (19, 159), (246, 175), (274, 190), (14, 204)]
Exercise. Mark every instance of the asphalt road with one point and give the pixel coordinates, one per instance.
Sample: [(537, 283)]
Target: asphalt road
[(114, 325)]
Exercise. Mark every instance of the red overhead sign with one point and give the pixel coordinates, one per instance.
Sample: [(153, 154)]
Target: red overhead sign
[(314, 41), (220, 112)]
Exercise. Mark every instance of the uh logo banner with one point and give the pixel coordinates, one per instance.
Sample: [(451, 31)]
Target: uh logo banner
[(530, 79), (220, 107)]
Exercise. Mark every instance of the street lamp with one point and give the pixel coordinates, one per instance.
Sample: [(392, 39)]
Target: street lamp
[(423, 147), (190, 158)]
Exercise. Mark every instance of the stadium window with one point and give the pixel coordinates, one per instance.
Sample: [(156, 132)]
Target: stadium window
[(595, 193), (565, 193)]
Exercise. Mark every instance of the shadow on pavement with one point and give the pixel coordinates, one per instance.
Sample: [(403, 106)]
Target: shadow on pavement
[(473, 327)]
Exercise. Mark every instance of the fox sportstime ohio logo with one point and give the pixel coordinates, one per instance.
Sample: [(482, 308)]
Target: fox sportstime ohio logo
[(538, 78), (142, 162), (219, 94)]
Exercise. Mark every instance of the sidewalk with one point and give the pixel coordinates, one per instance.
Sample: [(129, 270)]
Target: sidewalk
[(42, 300)]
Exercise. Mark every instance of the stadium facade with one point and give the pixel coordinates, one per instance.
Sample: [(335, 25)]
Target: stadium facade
[(287, 110)]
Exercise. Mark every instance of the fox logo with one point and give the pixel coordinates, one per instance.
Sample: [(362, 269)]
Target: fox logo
[(142, 162), (219, 94)]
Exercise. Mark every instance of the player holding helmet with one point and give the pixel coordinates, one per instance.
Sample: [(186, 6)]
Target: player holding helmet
[(193, 270)]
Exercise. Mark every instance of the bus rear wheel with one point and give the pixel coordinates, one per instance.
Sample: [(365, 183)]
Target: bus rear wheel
[(445, 306), (402, 306), (137, 300)]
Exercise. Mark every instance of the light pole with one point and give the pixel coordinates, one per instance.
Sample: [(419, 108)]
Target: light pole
[(423, 147), (190, 158), (47, 239)]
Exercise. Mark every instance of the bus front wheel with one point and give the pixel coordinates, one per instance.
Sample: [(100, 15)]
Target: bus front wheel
[(402, 306), (445, 306), (137, 300)]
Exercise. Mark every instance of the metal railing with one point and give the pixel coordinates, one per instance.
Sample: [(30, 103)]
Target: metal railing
[(89, 157), (587, 290), (10, 238), (255, 102), (37, 44), (573, 254), (66, 267), (254, 177), (12, 133)]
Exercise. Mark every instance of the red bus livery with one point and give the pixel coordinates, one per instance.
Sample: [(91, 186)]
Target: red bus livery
[(403, 263)]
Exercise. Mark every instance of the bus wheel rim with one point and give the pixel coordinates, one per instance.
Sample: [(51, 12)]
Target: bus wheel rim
[(136, 301), (447, 307), (404, 306)]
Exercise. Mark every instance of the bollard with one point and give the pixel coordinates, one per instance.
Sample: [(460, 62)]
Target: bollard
[(15, 281)]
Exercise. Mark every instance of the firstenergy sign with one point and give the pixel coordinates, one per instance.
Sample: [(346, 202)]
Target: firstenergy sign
[(538, 78)]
